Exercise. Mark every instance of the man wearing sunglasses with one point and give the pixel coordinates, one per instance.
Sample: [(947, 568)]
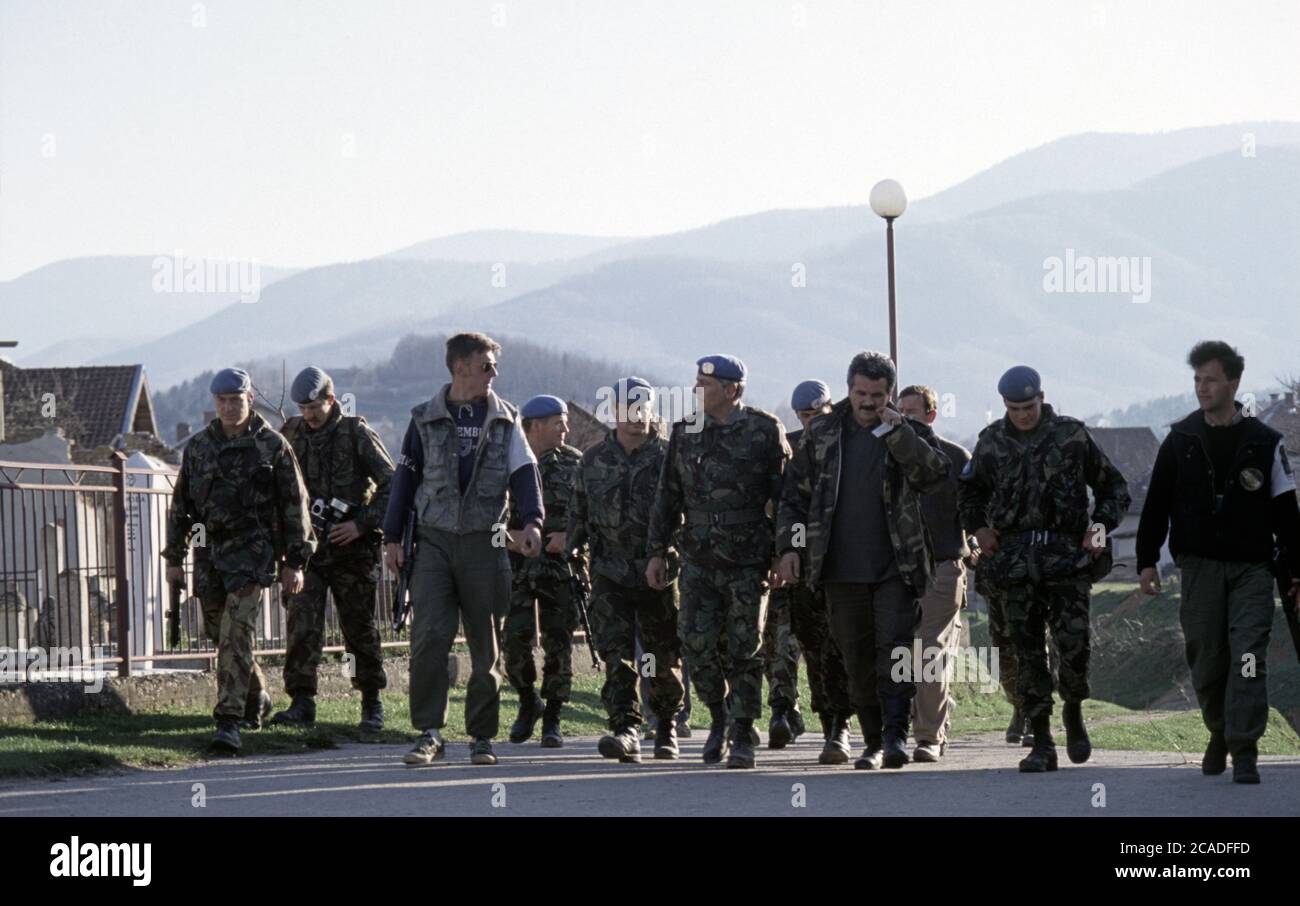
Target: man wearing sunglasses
[(464, 452)]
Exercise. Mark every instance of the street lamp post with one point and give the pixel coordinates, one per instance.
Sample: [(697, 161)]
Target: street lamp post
[(889, 201)]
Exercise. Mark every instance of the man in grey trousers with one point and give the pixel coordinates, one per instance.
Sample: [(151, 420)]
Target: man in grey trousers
[(464, 451)]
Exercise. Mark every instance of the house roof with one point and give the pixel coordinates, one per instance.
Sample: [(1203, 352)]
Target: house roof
[(1133, 452), (1283, 415), (95, 405), (584, 428)]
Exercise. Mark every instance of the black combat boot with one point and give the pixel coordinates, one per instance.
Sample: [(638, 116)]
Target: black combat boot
[(301, 711), (779, 732), (742, 748), (1245, 768), (226, 741), (551, 736), (530, 709), (838, 746), (872, 734), (1077, 744), (716, 744), (1043, 755), (666, 739), (1215, 761), (1016, 728), (256, 708), (795, 719), (1027, 735), (372, 712), (897, 712), (623, 744)]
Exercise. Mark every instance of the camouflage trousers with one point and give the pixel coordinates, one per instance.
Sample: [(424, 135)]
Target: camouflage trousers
[(721, 628), (615, 613), (780, 653), (1000, 638), (1033, 608), (557, 616), (352, 587), (230, 621)]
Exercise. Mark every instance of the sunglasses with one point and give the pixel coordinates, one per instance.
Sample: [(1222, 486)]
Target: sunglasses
[(489, 366)]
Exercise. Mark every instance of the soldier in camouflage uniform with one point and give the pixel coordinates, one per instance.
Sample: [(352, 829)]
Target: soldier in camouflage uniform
[(780, 653), (804, 613), (1024, 495), (851, 523), (716, 498), (342, 460), (239, 482), (540, 585), (610, 511), (1018, 730)]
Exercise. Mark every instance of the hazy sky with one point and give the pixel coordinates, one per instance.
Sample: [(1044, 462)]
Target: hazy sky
[(302, 133)]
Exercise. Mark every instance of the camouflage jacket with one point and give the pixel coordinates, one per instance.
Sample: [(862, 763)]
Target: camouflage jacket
[(559, 470), (718, 490), (248, 495), (610, 510), (1033, 490), (914, 465), (344, 458)]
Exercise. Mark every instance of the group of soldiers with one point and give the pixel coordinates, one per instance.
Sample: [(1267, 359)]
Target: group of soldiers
[(720, 544)]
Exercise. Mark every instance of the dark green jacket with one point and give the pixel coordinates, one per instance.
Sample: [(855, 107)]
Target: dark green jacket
[(914, 465), (610, 509), (719, 488), (344, 458), (559, 471), (1023, 484), (248, 495)]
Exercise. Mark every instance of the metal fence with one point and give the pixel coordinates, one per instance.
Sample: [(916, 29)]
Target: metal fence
[(81, 568)]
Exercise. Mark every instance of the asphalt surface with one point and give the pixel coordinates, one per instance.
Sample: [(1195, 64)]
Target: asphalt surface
[(978, 777)]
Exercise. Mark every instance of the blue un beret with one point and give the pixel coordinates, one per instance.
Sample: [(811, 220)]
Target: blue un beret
[(637, 389), (810, 395), (543, 405), (1019, 384), (307, 386), (726, 367), (230, 380)]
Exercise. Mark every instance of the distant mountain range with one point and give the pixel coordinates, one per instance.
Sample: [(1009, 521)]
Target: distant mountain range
[(794, 292)]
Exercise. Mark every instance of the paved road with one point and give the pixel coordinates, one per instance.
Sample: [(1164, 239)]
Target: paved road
[(978, 777)]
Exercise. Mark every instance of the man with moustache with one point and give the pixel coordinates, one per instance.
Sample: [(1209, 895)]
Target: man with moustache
[(851, 523)]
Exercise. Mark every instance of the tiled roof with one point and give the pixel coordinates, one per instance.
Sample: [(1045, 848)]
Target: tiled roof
[(584, 428), (95, 405), (1283, 415), (1133, 452)]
